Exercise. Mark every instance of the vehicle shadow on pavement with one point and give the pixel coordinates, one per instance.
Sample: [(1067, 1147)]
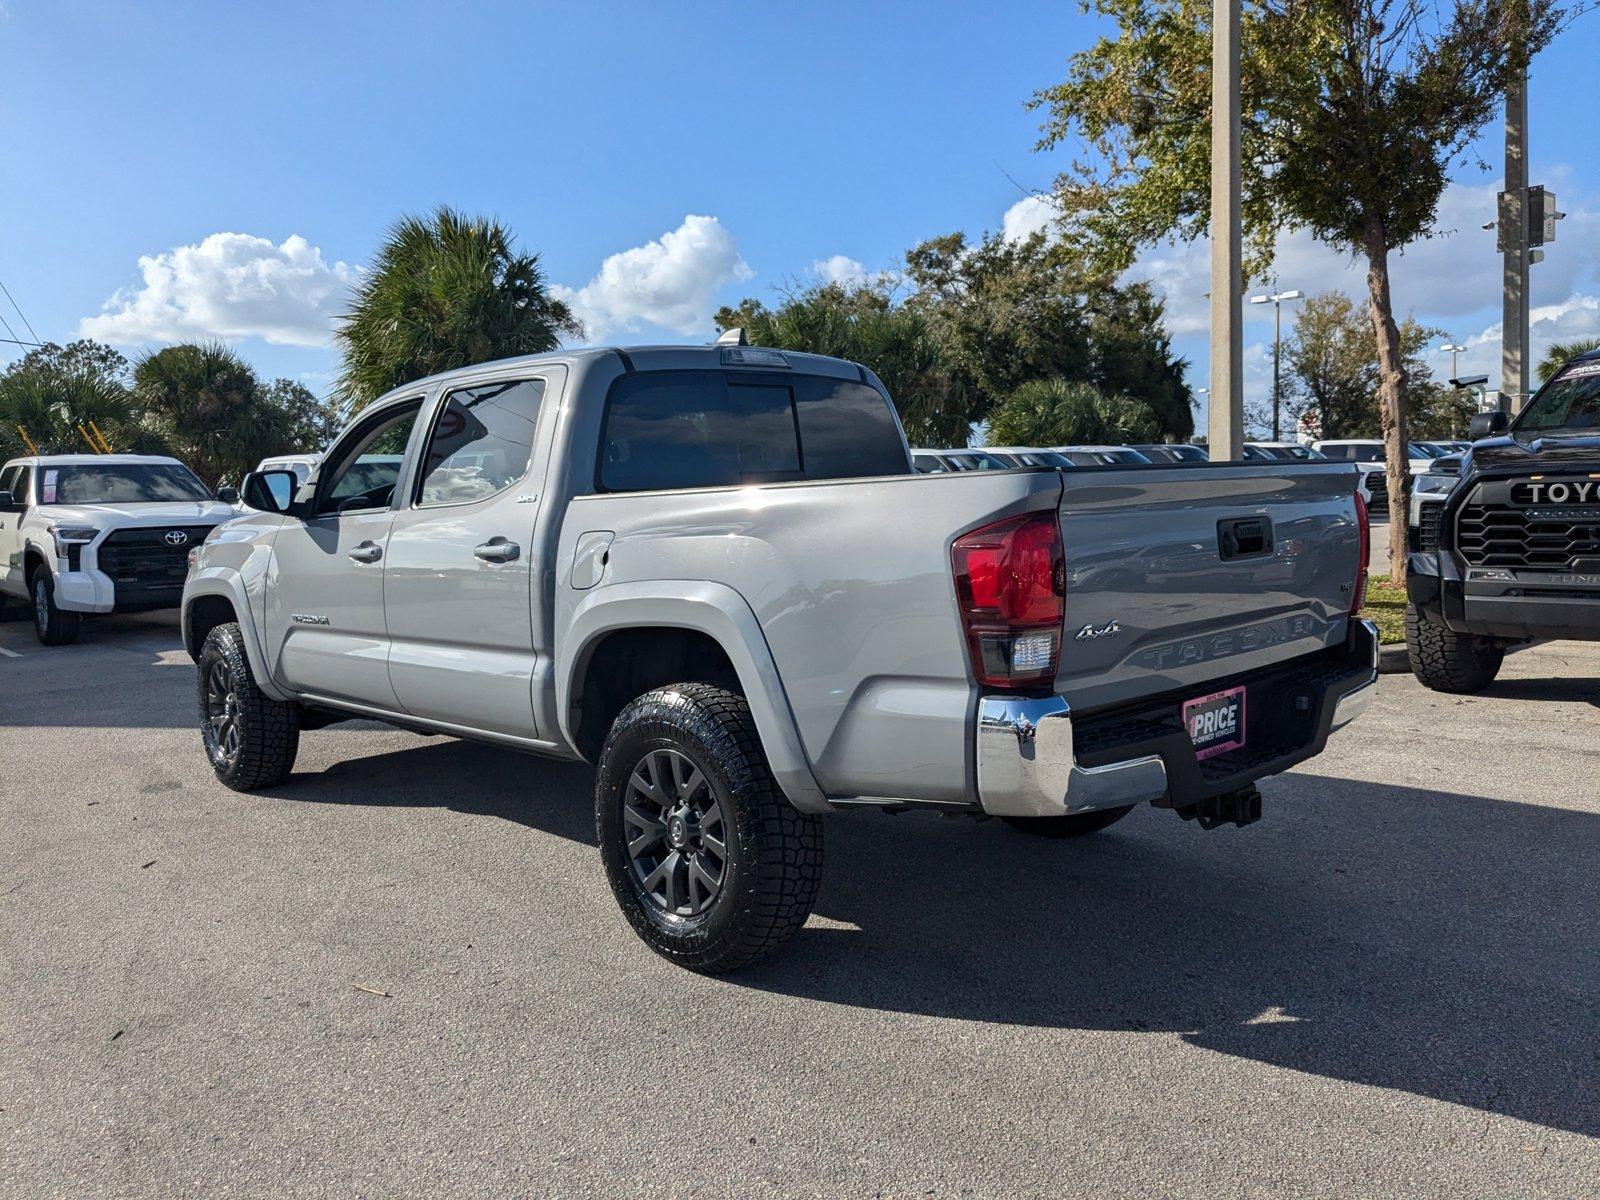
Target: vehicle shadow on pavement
[(1580, 691), (543, 794), (1440, 944)]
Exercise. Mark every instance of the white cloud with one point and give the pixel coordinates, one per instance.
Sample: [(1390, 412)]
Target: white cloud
[(1576, 317), (668, 283), (1028, 216), (841, 269), (230, 285)]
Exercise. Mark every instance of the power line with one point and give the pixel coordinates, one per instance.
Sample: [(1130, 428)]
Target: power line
[(12, 331), (20, 313), (19, 341)]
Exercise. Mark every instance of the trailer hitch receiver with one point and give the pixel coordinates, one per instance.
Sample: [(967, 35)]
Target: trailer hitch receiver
[(1240, 808)]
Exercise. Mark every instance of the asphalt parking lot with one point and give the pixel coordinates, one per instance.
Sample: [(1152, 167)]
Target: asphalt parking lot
[(1386, 987)]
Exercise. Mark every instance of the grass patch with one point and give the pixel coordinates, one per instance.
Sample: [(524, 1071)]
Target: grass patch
[(1386, 607)]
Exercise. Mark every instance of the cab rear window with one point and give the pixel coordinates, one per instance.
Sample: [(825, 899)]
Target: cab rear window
[(689, 429)]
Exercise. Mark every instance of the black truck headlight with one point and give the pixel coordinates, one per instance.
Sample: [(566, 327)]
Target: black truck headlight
[(68, 536)]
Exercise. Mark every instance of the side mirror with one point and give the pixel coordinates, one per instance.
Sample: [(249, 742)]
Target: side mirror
[(12, 501), (270, 491), (228, 495), (1488, 424)]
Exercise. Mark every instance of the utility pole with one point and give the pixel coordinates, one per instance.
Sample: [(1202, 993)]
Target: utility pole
[(1514, 250), (1276, 299), (1225, 417)]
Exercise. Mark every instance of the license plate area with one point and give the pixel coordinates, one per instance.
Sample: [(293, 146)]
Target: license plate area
[(1215, 723)]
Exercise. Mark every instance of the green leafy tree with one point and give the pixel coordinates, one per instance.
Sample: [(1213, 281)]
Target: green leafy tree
[(1334, 374), (1059, 412), (446, 290), (1009, 312), (54, 389), (1558, 353), (1353, 112), (865, 325), (309, 421)]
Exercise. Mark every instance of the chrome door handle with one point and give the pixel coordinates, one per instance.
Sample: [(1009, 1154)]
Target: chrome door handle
[(367, 552), (498, 550)]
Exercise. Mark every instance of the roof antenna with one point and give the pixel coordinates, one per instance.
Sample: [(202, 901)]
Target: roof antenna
[(732, 337)]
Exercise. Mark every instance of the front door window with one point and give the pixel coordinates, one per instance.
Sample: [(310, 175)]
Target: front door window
[(361, 472)]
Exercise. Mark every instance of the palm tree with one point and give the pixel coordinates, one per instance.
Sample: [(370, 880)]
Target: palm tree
[(447, 291), (54, 390), (1056, 412), (1558, 353), (210, 402)]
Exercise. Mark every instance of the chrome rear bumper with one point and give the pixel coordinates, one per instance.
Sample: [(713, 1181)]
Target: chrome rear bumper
[(1028, 767)]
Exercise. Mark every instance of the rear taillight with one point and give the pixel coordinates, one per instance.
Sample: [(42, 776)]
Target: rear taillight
[(1364, 525), (1011, 584)]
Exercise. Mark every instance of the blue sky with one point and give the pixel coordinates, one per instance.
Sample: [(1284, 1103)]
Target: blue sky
[(188, 170)]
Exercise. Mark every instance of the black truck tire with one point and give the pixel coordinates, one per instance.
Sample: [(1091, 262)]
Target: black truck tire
[(1070, 826), (250, 738), (711, 864), (55, 626), (1447, 661)]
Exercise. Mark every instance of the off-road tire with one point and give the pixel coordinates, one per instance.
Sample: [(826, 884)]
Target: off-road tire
[(268, 730), (773, 864), (1070, 826), (1447, 661), (55, 626)]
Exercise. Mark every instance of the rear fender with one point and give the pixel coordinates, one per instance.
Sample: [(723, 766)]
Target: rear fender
[(720, 613)]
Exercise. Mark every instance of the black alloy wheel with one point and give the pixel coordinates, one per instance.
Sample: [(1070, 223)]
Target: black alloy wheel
[(677, 837), (221, 715)]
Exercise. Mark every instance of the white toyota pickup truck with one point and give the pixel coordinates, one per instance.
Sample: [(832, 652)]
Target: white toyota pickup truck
[(99, 533), (713, 572)]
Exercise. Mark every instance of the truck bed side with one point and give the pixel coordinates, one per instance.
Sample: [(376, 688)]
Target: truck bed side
[(851, 584)]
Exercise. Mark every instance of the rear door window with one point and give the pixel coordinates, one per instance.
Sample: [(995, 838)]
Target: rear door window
[(481, 442)]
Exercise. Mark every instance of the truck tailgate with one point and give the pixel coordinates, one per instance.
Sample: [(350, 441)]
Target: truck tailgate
[(1178, 577)]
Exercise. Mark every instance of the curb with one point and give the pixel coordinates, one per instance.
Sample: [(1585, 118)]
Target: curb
[(1393, 660)]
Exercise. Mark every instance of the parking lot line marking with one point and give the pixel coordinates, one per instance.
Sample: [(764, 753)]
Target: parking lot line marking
[(9, 653)]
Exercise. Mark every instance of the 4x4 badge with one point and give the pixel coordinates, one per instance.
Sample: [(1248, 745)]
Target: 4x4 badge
[(1089, 632)]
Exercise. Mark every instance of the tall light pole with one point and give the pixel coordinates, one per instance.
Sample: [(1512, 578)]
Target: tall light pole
[(1452, 350), (1225, 415), (1514, 249), (1276, 299)]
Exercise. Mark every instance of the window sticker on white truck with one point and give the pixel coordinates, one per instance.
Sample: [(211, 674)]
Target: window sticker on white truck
[(48, 491)]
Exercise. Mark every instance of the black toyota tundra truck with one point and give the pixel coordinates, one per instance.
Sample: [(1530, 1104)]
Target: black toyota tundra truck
[(1513, 552)]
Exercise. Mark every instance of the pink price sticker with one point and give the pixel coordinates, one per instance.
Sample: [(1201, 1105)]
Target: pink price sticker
[(47, 491)]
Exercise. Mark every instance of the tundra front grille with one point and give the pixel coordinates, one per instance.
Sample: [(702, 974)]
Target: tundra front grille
[(1502, 535), (144, 562)]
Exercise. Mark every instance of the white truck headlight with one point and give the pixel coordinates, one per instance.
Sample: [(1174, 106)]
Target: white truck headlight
[(66, 536)]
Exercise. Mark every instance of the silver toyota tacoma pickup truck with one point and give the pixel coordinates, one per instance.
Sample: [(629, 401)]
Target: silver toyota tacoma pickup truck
[(713, 572)]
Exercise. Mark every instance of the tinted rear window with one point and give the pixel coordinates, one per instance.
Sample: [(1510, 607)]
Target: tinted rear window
[(684, 429)]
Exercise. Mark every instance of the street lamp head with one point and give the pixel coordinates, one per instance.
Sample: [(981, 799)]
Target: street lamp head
[(1260, 299), (1451, 348), (1293, 295)]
